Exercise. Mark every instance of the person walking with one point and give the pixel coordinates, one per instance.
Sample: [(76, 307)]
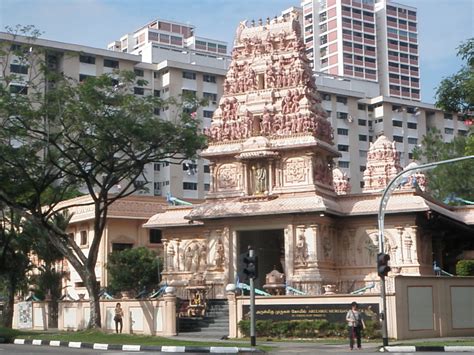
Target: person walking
[(355, 324), (118, 318)]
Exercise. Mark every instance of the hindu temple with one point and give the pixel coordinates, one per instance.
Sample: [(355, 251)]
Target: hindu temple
[(274, 186)]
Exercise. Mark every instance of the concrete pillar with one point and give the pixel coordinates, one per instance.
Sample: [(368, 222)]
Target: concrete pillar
[(169, 309), (233, 327)]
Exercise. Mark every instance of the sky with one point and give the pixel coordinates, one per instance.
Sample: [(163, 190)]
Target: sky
[(442, 24)]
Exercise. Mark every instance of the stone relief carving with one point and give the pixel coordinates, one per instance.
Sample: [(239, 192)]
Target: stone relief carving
[(219, 256), (227, 177), (295, 170), (301, 250), (259, 173), (194, 256)]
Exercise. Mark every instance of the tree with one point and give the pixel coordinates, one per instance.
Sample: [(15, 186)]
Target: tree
[(133, 269), (452, 180), (14, 261), (59, 136), (456, 93)]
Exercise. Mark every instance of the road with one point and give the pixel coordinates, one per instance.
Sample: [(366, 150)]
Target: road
[(34, 350)]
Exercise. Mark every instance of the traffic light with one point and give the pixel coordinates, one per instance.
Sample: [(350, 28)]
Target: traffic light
[(251, 266), (382, 264)]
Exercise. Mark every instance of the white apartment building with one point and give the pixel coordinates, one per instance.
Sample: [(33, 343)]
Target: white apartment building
[(182, 63)]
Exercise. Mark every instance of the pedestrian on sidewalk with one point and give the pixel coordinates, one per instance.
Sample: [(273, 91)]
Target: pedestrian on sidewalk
[(118, 318), (355, 325)]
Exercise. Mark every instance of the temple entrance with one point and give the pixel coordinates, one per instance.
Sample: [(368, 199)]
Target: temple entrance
[(269, 246)]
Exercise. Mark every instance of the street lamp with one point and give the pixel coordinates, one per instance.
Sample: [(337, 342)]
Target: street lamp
[(392, 185)]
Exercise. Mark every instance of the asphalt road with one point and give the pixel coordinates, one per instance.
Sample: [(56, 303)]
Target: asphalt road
[(33, 350)]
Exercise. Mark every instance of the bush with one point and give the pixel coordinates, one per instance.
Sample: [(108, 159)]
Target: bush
[(465, 268)]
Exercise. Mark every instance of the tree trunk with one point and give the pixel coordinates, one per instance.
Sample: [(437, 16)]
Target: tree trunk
[(93, 289), (7, 320)]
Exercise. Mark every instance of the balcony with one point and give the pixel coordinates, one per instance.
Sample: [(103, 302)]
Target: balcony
[(357, 27), (346, 36), (404, 39), (359, 74), (405, 83), (413, 40), (358, 62), (414, 73), (370, 53), (358, 50), (414, 62), (347, 49), (413, 51), (403, 59), (404, 71), (369, 30), (394, 81), (415, 85), (370, 76), (411, 17), (415, 96), (394, 92), (412, 28), (369, 41), (392, 46), (368, 19), (346, 13), (403, 26), (393, 58), (348, 72), (357, 16), (370, 65), (392, 35), (391, 12)]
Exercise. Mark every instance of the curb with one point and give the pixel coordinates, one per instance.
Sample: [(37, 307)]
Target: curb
[(164, 349), (411, 349)]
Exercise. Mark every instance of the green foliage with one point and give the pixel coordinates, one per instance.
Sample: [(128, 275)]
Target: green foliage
[(59, 136), (133, 269), (305, 329), (465, 268), (456, 93), (446, 180)]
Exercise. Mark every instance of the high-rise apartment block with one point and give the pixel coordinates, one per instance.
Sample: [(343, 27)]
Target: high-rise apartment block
[(365, 39)]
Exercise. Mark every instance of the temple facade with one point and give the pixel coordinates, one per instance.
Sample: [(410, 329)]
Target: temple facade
[(274, 187)]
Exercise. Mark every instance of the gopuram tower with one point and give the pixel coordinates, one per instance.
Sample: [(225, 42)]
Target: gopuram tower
[(270, 135)]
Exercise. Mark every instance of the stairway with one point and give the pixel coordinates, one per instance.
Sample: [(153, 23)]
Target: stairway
[(215, 325)]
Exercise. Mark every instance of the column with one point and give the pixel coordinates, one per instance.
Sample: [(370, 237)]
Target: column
[(400, 244), (415, 243), (317, 244), (289, 251), (270, 177), (165, 255)]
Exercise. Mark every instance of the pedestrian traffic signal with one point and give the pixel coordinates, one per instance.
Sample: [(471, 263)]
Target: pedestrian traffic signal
[(251, 266), (382, 264)]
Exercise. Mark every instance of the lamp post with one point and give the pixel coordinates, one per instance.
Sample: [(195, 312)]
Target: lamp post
[(392, 185)]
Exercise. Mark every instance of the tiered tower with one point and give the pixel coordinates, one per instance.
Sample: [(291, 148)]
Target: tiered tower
[(270, 135)]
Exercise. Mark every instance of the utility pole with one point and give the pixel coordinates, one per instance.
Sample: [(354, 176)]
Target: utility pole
[(381, 260), (251, 270)]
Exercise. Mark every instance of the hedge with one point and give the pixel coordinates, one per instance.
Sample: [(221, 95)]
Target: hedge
[(305, 329), (465, 268)]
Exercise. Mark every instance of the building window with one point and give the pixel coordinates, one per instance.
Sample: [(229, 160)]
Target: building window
[(343, 164), (207, 114), (398, 139), (412, 140), (206, 168), (362, 168), (343, 147), (18, 89), (18, 69), (155, 236), (209, 78), (83, 77), (362, 138), (189, 186), (210, 96), (156, 93), (138, 91), (121, 246), (412, 125), (83, 240), (189, 75), (449, 131), (343, 131), (156, 111), (189, 93), (157, 166), (139, 72), (362, 122), (110, 63), (361, 184), (327, 97), (88, 59), (361, 107), (396, 123), (207, 187), (341, 99), (342, 115), (448, 116)]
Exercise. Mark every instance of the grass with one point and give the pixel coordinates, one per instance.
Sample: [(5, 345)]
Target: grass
[(95, 336)]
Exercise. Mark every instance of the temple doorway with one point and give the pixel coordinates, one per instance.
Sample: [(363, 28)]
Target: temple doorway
[(269, 246)]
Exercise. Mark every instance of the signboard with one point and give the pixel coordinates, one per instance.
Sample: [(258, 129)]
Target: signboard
[(334, 313), (25, 315)]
